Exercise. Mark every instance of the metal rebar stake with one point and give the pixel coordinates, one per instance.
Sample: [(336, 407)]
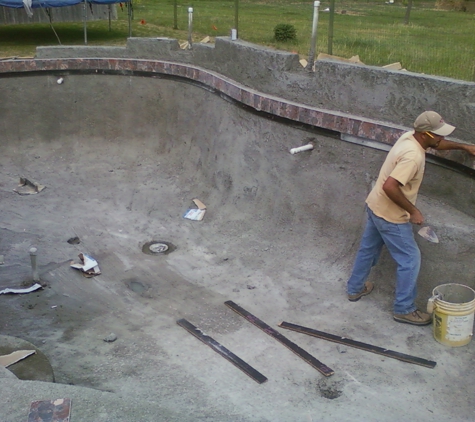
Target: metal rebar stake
[(313, 43), (34, 268), (85, 22)]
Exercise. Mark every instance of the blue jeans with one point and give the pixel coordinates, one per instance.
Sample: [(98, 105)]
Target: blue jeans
[(399, 239)]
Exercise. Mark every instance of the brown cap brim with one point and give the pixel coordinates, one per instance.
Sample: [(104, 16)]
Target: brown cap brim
[(445, 130)]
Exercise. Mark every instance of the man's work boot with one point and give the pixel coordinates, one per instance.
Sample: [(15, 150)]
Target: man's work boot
[(415, 318), (368, 288)]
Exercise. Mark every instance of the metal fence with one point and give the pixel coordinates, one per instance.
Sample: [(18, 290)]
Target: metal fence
[(434, 37)]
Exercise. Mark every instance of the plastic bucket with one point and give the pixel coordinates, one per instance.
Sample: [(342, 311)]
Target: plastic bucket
[(453, 314)]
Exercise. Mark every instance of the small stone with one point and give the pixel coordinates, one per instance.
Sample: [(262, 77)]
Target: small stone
[(74, 240), (341, 348), (110, 338)]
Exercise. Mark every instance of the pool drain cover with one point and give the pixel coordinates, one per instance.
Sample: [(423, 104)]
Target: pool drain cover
[(157, 247)]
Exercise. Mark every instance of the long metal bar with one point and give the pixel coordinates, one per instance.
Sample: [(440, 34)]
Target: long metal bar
[(225, 353), (307, 357), (358, 345)]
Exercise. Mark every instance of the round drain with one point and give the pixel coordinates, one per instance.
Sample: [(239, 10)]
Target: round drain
[(136, 286), (157, 247)]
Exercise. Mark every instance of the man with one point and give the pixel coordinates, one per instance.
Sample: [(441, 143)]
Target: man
[(391, 210)]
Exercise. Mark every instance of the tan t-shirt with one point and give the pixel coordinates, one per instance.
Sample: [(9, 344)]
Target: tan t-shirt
[(405, 162)]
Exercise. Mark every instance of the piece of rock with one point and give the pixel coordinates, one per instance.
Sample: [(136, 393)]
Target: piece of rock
[(110, 338)]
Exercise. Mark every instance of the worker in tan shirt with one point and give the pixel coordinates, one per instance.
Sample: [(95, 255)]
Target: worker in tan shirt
[(391, 208)]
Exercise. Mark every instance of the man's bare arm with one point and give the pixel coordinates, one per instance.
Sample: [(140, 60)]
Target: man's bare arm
[(392, 188), (446, 145)]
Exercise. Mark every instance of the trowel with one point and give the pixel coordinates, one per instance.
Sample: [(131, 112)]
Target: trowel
[(428, 234)]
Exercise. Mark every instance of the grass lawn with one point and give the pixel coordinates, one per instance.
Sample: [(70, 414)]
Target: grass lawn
[(435, 42)]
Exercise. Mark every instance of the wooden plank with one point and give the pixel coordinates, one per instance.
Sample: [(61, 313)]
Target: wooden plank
[(225, 353), (359, 345), (50, 411), (307, 357)]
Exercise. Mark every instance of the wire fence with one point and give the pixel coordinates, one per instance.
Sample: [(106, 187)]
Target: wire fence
[(433, 37)]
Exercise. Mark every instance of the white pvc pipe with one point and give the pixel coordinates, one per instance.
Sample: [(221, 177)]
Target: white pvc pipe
[(302, 148), (34, 267), (190, 26)]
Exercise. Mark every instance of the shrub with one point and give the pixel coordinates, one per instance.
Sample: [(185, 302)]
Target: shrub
[(285, 32), (459, 5)]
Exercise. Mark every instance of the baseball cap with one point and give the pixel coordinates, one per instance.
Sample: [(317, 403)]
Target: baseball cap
[(430, 121)]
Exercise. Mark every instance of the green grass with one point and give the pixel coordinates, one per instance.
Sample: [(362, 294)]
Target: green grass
[(435, 42)]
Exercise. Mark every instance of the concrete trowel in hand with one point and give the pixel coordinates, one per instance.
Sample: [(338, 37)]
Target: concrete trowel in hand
[(428, 234)]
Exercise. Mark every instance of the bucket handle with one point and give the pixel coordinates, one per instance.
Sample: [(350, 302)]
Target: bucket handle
[(430, 303)]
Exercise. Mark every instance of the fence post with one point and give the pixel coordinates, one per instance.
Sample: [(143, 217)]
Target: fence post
[(330, 27), (190, 27), (129, 17), (85, 22), (236, 17), (408, 12), (311, 54), (175, 15)]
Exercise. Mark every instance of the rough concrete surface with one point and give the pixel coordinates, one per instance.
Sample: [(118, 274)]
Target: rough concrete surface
[(367, 91), (122, 158), (35, 368)]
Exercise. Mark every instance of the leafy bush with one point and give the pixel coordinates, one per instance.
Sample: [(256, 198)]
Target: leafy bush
[(285, 32), (460, 5)]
